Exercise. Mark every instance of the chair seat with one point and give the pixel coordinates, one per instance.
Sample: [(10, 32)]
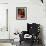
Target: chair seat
[(27, 36)]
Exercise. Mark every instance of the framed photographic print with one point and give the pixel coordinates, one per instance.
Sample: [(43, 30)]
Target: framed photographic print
[(21, 13)]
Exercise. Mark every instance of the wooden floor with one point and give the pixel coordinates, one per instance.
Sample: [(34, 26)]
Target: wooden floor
[(27, 44), (6, 40)]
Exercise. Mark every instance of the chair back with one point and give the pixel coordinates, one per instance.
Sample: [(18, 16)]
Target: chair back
[(33, 28)]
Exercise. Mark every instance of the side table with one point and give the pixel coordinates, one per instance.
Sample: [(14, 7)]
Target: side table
[(16, 40)]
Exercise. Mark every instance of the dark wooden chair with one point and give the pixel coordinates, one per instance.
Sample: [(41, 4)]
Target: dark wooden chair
[(32, 29)]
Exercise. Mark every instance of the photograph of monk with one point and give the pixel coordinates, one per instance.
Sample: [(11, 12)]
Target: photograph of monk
[(21, 13)]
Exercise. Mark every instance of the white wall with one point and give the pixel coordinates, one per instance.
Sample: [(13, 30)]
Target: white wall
[(3, 1), (35, 14)]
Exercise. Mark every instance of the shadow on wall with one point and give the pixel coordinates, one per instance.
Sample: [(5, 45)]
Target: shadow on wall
[(41, 34)]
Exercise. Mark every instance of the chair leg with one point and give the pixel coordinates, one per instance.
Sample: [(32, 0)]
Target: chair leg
[(32, 44), (20, 42)]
